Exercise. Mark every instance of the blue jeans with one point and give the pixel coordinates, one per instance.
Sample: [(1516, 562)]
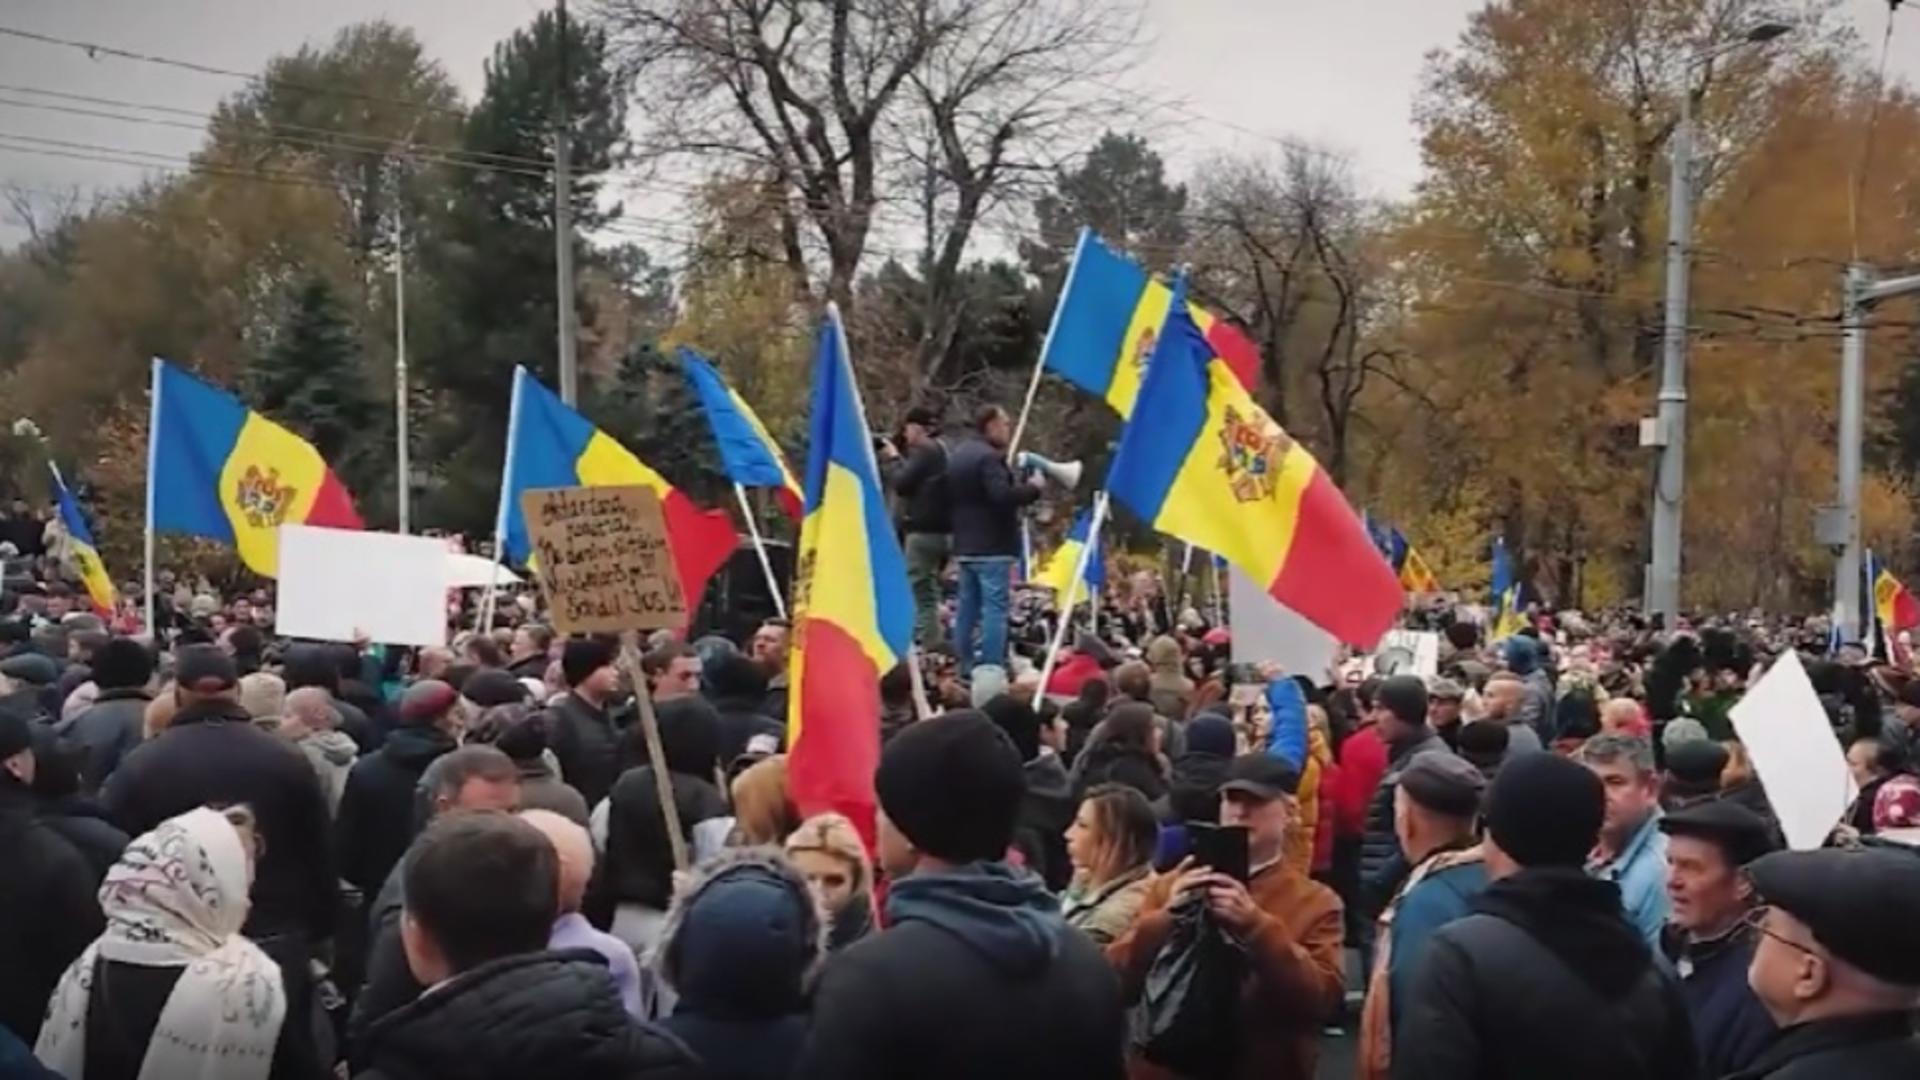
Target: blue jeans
[(984, 584)]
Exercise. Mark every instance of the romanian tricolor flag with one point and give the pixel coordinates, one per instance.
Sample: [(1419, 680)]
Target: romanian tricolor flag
[(86, 556), (748, 455), (1109, 316), (1211, 468), (852, 610), (217, 469), (551, 446), (1056, 570), (1893, 605)]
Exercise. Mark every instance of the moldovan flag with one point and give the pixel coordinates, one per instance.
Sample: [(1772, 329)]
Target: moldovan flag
[(1056, 570), (748, 455), (852, 610), (217, 469), (1109, 316), (1893, 604), (86, 557), (1211, 468), (551, 446)]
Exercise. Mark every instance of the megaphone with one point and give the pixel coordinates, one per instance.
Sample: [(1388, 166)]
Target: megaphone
[(1064, 473)]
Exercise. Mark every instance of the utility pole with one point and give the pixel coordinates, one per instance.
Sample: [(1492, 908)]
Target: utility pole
[(402, 456), (1668, 431), (563, 226), (1840, 526)]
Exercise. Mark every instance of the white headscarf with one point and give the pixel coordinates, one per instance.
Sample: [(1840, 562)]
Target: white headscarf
[(177, 898)]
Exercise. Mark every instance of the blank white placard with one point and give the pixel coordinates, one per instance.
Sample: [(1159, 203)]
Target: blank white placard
[(1267, 631), (1794, 751), (334, 582)]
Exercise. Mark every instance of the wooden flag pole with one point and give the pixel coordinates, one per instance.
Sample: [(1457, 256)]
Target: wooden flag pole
[(656, 754)]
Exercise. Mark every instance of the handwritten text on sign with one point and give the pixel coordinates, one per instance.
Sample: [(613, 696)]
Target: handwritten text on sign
[(603, 557)]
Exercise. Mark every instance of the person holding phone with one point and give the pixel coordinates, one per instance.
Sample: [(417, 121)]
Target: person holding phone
[(1289, 924)]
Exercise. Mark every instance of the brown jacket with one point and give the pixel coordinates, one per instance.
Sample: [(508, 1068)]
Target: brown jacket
[(1294, 984)]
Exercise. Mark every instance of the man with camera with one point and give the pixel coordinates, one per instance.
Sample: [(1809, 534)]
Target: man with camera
[(926, 527)]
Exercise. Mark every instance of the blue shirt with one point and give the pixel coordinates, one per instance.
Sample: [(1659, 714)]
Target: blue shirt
[(1641, 872)]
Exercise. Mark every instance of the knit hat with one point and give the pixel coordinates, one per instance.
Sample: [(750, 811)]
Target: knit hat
[(122, 664), (1019, 721), (30, 668), (1483, 744), (1680, 730), (1210, 733), (1405, 696), (488, 687), (1443, 783), (1521, 654), (582, 657), (428, 699), (953, 785), (1545, 810)]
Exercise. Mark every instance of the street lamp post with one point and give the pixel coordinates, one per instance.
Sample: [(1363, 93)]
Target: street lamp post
[(1662, 588)]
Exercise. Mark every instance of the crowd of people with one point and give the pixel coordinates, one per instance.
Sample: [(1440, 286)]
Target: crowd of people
[(238, 856)]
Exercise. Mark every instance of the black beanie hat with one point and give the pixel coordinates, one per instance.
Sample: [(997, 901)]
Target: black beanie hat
[(122, 664), (1545, 810), (1405, 696), (582, 657), (953, 785)]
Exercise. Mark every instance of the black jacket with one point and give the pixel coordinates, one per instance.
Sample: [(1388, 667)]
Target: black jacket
[(1731, 1029), (549, 1014), (741, 720), (1382, 866), (48, 912), (1546, 978), (587, 744), (214, 753), (1108, 763), (377, 805), (985, 500), (124, 1009), (1877, 1046), (921, 483), (83, 823), (107, 731), (975, 981), (638, 867)]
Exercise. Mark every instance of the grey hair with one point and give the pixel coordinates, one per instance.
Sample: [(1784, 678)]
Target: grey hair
[(1609, 747)]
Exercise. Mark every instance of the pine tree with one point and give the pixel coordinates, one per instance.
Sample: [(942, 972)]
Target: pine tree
[(310, 379)]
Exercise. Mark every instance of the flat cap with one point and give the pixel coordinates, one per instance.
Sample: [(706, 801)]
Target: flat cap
[(1262, 776), (31, 668), (1859, 903), (1444, 783), (1443, 689), (1742, 834)]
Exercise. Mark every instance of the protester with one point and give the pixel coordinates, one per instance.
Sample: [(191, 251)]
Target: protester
[(770, 645), (48, 913), (1545, 977), (60, 805), (1400, 716), (1193, 788), (1485, 745), (571, 930), (763, 810), (308, 721), (829, 853), (481, 893), (1434, 811), (1289, 924), (977, 975), (1693, 770), (740, 945), (1507, 695), (1172, 692), (1837, 964), (1111, 843), (172, 988), (377, 806), (528, 656), (985, 500), (111, 727), (673, 670), (579, 730), (315, 665), (1040, 834), (1125, 750), (737, 687), (263, 695), (1444, 701), (926, 524), (1535, 710), (1632, 851), (896, 701), (520, 731), (1873, 763), (29, 679), (1708, 940)]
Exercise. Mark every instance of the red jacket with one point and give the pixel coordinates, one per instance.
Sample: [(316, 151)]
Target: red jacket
[(1363, 761), (1070, 673)]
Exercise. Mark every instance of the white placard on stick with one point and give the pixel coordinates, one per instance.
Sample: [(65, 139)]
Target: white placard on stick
[(1799, 762), (336, 582), (1267, 631)]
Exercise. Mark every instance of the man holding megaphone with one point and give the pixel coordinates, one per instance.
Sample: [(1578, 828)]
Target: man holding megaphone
[(986, 498)]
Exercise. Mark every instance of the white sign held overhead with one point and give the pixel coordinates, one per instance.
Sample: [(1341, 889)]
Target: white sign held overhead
[(336, 583), (1267, 631), (1799, 762)]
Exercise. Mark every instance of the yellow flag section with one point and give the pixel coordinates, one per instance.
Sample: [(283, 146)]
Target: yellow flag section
[(853, 613)]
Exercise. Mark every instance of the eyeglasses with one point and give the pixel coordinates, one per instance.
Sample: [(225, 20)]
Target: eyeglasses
[(1756, 921)]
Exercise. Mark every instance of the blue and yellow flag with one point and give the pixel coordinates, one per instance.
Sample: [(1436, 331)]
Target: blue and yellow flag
[(1108, 319), (86, 556), (1212, 468), (1508, 619), (1414, 575), (551, 446), (748, 454), (852, 609), (217, 469), (1056, 570)]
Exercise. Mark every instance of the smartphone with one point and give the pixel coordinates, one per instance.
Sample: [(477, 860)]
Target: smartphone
[(1220, 848)]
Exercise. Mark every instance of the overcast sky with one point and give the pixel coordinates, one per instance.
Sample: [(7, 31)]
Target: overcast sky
[(1338, 73)]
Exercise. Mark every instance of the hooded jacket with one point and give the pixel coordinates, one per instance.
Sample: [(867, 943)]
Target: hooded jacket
[(1545, 978), (1381, 865), (332, 754), (541, 1014), (741, 943), (376, 810), (108, 730), (976, 976)]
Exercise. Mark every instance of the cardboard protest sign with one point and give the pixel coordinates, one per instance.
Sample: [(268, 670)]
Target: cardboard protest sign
[(1800, 763), (603, 559), (339, 584)]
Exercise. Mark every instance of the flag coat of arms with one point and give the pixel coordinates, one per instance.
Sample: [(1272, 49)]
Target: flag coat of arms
[(217, 469)]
